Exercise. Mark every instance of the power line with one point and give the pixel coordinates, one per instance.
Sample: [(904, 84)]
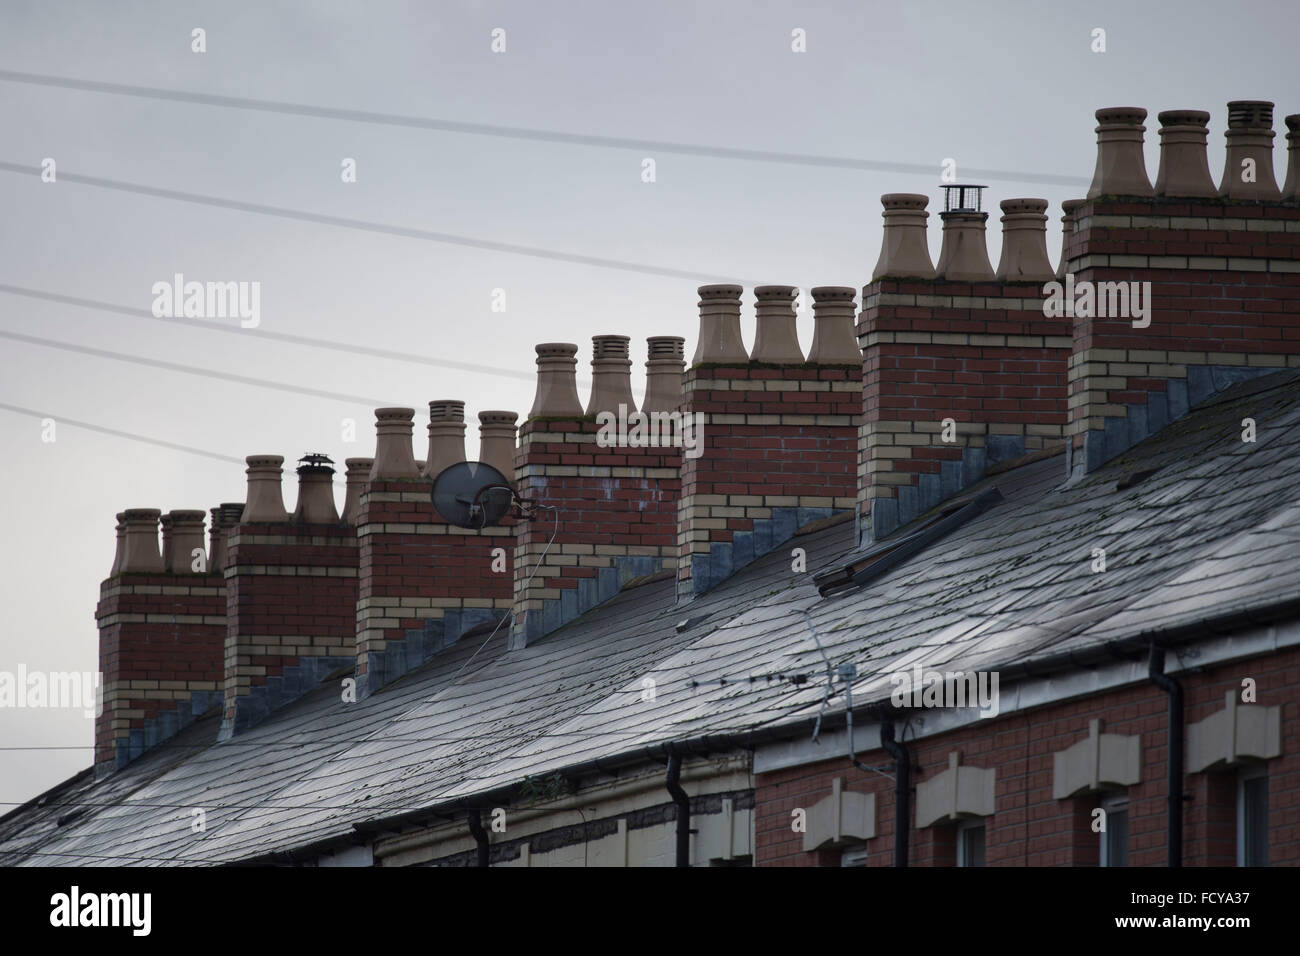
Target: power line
[(130, 436), (375, 227), (264, 333), (193, 370), (525, 133)]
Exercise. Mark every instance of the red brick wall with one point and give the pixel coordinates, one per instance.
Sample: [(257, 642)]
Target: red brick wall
[(774, 437), (982, 354), (161, 638), (1030, 827)]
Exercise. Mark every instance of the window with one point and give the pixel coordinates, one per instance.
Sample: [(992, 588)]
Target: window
[(1114, 838), (970, 843), (854, 855), (1252, 816)]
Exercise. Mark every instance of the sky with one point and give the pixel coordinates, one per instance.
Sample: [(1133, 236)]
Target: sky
[(411, 254)]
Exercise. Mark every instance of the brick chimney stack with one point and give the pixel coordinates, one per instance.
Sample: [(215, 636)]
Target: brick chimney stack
[(291, 584), (611, 478), (777, 441), (161, 635), (960, 370), (423, 582), (1216, 275)]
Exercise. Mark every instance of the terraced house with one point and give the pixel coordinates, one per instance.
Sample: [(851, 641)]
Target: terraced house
[(1082, 519)]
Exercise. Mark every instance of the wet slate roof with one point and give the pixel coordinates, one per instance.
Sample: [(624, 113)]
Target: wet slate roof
[(1210, 530)]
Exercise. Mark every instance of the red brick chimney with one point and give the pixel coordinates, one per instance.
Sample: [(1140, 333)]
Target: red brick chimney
[(291, 589), (161, 618), (960, 369), (1192, 289), (776, 440), (424, 582), (610, 474)]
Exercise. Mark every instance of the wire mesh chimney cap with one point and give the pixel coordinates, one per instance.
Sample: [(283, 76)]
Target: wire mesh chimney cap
[(962, 197), (315, 463)]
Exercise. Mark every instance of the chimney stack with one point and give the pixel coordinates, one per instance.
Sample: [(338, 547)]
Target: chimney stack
[(161, 636), (611, 375), (265, 494), (776, 447), (776, 340), (964, 255), (1248, 169), (358, 476), (446, 436), (1121, 167), (720, 342), (497, 441), (422, 583), (1184, 164), (612, 481), (291, 585), (665, 363), (1139, 364), (1024, 242), (904, 251), (834, 342)]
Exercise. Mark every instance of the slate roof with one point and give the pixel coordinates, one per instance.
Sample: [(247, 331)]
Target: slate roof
[(1211, 531)]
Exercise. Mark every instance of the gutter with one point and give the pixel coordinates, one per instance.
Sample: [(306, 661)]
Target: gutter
[(1174, 759), (902, 789), (480, 836), (683, 801)]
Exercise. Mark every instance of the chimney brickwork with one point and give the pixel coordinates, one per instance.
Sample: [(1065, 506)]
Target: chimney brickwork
[(615, 496), (424, 582), (778, 436), (1224, 274), (958, 373), (162, 627), (291, 591)]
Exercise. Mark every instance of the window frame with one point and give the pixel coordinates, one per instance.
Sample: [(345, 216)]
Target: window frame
[(1246, 774), (1113, 803), (964, 827)]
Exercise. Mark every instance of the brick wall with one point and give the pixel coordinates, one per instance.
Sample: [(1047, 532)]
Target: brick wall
[(982, 354), (1030, 827)]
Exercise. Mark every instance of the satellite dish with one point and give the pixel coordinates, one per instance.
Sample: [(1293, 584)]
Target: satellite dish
[(472, 494)]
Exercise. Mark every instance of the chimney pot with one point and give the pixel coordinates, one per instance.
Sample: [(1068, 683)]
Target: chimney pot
[(496, 447), (394, 457), (182, 532), (834, 341), (964, 255), (904, 252), (557, 383), (316, 493), (225, 518), (446, 436), (720, 342), (1121, 168), (1291, 188), (1067, 229), (121, 545), (1024, 241), (1184, 166), (140, 553), (1250, 136), (265, 497), (665, 363), (611, 374), (776, 339), (358, 475)]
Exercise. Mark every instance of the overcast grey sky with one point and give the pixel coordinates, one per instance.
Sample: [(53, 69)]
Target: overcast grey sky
[(996, 86)]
